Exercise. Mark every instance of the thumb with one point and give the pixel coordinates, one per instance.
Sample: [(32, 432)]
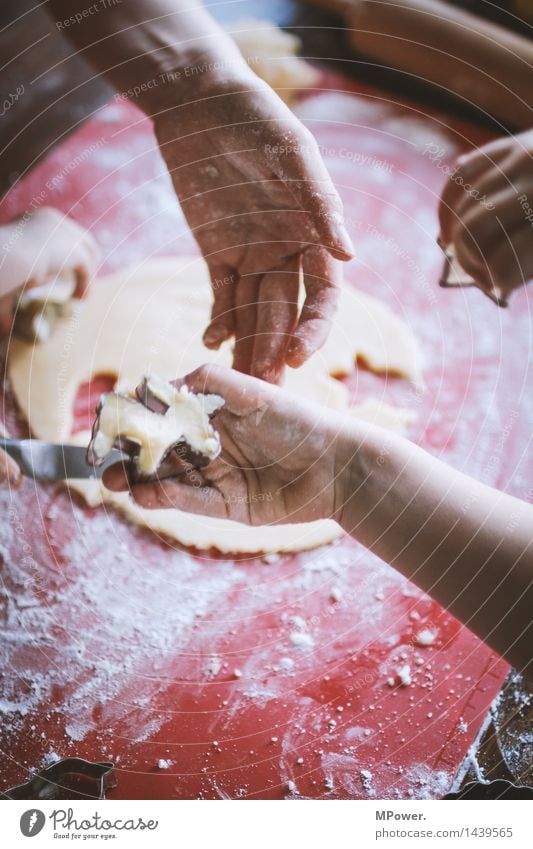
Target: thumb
[(241, 393)]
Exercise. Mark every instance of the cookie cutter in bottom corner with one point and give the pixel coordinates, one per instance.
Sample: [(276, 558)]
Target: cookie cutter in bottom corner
[(70, 778), (491, 790)]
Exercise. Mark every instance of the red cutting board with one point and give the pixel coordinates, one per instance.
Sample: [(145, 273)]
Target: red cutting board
[(205, 677)]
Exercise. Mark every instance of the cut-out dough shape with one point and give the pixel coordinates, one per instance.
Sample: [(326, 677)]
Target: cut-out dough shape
[(150, 319), (149, 436)]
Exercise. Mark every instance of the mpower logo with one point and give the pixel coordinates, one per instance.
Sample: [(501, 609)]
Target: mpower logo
[(32, 822)]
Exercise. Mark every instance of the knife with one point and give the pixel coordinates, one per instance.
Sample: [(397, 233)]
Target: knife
[(44, 461)]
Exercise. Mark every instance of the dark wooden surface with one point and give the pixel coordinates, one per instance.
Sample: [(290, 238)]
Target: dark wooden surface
[(54, 101)]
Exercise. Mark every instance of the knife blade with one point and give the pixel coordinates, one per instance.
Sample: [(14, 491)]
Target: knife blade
[(46, 461)]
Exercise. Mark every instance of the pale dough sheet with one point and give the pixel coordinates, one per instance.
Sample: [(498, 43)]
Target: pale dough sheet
[(272, 54), (150, 320)]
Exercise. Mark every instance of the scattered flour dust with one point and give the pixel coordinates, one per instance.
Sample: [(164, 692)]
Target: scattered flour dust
[(425, 637), (426, 783), (96, 628), (366, 780), (404, 675)]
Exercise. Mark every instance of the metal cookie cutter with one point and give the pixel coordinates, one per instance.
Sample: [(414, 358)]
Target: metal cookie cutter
[(70, 778), (499, 789), (453, 276)]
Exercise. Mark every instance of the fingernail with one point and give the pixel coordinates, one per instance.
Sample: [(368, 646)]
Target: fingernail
[(346, 240), (296, 355), (342, 247), (214, 336)]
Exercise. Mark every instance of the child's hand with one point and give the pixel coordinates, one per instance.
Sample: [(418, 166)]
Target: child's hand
[(37, 248), (59, 247), (486, 213), (278, 459)]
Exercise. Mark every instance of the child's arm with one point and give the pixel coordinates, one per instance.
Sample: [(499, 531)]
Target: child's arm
[(467, 545)]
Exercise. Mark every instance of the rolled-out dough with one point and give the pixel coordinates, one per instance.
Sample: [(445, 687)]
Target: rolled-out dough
[(272, 54), (150, 319)]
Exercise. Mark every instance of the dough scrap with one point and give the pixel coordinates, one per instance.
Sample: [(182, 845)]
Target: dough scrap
[(150, 319)]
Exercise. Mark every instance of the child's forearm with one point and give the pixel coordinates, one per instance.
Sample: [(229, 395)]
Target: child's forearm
[(466, 56), (467, 545)]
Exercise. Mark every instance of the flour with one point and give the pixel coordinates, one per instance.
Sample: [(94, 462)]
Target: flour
[(425, 637), (98, 636)]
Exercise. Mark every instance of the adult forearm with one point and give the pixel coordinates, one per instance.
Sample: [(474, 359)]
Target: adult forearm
[(467, 545), (469, 57), (153, 48)]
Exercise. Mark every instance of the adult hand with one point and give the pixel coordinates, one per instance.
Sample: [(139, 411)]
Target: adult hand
[(277, 464), (258, 198), (486, 213), (249, 176)]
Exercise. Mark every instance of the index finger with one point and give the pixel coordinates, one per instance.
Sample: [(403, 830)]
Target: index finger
[(276, 318)]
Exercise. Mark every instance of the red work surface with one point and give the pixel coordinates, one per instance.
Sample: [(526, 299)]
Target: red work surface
[(200, 676)]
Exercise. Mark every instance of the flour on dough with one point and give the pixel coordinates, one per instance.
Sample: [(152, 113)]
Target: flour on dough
[(150, 319)]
